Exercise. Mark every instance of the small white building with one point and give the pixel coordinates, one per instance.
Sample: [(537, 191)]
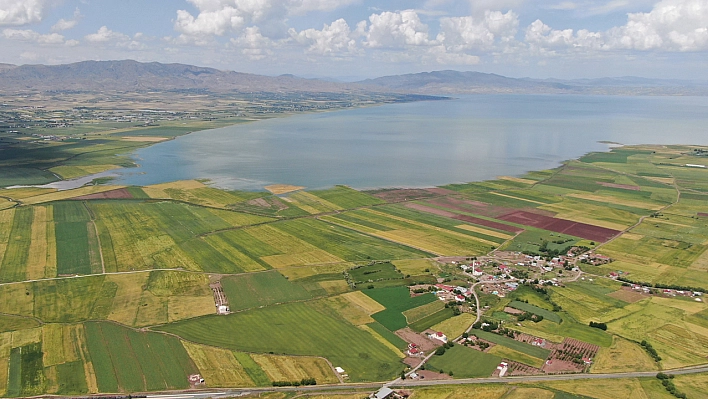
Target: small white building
[(384, 393), (223, 309), (339, 370), (439, 336)]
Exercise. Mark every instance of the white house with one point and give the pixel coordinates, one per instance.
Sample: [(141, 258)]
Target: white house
[(439, 336)]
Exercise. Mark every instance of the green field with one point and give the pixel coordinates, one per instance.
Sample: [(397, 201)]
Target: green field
[(435, 318), (346, 197), (295, 329), (548, 315), (130, 361), (261, 289), (464, 362), (396, 300), (375, 272), (14, 262), (518, 346)]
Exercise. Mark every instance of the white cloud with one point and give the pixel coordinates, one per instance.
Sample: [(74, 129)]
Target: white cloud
[(22, 12), (219, 17), (106, 35), (443, 57), (253, 44), (332, 39), (396, 29), (462, 33), (66, 24), (672, 25), (27, 35)]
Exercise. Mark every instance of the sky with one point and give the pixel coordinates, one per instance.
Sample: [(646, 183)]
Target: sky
[(357, 39)]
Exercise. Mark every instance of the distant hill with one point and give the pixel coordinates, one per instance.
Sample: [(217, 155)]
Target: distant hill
[(133, 76), (455, 82), (136, 76)]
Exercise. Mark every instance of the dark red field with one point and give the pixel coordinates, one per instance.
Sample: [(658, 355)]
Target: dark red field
[(582, 230), (465, 218), (702, 214), (120, 193)]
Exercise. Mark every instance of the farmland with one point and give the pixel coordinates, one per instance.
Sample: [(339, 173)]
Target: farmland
[(321, 278)]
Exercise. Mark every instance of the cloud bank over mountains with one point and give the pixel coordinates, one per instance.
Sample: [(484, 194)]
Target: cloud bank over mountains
[(428, 35)]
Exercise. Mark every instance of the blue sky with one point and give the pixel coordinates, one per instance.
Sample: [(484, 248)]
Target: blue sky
[(353, 39)]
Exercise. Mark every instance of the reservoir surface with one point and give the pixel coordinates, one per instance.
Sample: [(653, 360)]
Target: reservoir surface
[(420, 144)]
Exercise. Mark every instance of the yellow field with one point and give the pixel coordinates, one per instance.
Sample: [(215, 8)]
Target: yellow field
[(5, 348), (622, 356), (278, 189), (529, 393), (218, 367), (158, 190), (37, 260), (517, 180), (298, 272), (360, 299), (602, 389), (455, 326), (490, 233), (694, 386), (6, 218), (617, 200), (346, 309), (79, 335), (127, 298), (59, 343), (62, 195), (295, 251), (228, 251), (72, 172), (701, 263), (302, 258), (311, 203), (26, 337), (510, 354), (383, 340), (424, 241), (417, 313), (144, 139), (15, 299), (185, 307), (152, 310), (415, 267), (632, 236), (295, 368), (21, 193), (6, 204), (50, 269), (334, 287), (461, 392)]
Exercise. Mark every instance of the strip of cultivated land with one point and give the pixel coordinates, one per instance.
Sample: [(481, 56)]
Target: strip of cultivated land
[(108, 289)]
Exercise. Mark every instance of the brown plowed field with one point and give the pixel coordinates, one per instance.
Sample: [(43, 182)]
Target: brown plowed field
[(434, 211), (120, 193), (582, 230), (461, 205), (702, 214)]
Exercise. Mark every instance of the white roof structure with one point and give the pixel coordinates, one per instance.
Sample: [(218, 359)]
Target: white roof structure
[(383, 393)]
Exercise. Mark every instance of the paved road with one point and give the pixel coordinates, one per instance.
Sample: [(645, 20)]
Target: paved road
[(422, 383)]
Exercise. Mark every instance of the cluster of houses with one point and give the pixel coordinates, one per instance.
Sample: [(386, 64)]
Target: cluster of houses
[(668, 292), (450, 293), (414, 350)]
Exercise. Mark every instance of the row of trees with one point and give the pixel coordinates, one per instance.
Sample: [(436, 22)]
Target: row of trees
[(601, 326), (669, 385), (651, 351), (304, 381)]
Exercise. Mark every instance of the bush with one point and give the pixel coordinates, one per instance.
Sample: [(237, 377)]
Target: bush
[(601, 326)]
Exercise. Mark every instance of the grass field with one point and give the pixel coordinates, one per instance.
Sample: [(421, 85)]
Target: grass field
[(455, 326), (261, 289), (423, 311), (510, 354), (346, 198), (295, 329), (130, 361), (396, 300), (622, 356), (518, 346), (431, 320), (375, 272), (219, 367), (535, 310), (465, 362), (295, 368)]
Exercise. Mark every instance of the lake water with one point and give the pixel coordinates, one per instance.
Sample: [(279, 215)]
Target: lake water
[(420, 144)]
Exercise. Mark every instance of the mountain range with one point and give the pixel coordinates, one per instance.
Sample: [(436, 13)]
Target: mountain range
[(133, 76)]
